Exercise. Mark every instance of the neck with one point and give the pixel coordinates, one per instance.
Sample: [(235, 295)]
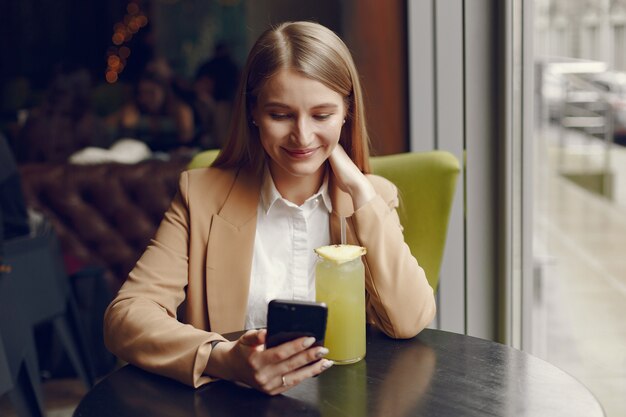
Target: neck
[(298, 189)]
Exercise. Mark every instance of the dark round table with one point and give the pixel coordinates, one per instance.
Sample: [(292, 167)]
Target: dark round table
[(436, 373)]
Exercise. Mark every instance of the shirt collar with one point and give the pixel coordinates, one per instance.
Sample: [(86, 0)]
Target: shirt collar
[(270, 194)]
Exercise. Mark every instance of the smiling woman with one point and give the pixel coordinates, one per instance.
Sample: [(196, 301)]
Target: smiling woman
[(318, 55), (242, 232), (299, 122)]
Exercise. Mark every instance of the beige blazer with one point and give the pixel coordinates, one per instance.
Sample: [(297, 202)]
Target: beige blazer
[(191, 284)]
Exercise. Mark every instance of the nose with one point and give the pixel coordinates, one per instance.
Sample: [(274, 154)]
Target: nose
[(302, 131)]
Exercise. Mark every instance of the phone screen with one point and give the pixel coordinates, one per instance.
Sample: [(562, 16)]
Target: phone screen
[(288, 320)]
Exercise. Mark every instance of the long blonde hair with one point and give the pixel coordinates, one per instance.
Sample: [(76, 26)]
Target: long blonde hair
[(315, 52)]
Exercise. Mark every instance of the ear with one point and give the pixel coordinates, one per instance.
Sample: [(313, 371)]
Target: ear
[(254, 114)]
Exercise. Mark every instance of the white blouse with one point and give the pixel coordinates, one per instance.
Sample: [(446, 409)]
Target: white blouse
[(283, 261)]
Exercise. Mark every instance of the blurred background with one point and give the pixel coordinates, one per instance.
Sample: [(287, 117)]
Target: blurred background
[(103, 103), (122, 68), (580, 192)]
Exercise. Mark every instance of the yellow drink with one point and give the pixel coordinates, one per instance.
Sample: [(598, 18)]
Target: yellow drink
[(341, 285)]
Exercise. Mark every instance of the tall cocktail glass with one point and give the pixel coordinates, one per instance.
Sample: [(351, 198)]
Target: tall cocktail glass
[(340, 283)]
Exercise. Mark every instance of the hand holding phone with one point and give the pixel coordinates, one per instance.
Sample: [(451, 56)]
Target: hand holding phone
[(287, 364), (289, 319)]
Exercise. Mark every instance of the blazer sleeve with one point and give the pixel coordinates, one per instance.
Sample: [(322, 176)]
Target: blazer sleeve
[(398, 297), (140, 324)]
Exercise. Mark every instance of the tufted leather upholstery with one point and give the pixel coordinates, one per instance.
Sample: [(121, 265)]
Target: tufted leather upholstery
[(104, 214)]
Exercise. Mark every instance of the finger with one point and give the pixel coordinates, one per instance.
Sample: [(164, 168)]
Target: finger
[(336, 155), (342, 164), (286, 350), (253, 338), (290, 380), (338, 150), (301, 359), (296, 362), (343, 156), (338, 165), (265, 362)]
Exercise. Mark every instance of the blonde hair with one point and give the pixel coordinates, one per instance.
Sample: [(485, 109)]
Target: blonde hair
[(315, 52)]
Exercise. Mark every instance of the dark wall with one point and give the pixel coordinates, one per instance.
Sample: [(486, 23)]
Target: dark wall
[(262, 13), (375, 32), (377, 35), (38, 35)]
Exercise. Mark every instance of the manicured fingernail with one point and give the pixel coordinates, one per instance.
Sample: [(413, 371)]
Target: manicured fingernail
[(308, 342), (321, 352), (327, 364)]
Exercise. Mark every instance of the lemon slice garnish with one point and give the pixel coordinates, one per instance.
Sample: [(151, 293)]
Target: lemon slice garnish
[(340, 253)]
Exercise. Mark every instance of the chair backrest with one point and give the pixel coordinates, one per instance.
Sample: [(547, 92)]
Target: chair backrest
[(203, 159), (42, 292), (36, 263), (6, 378), (19, 368), (426, 183)]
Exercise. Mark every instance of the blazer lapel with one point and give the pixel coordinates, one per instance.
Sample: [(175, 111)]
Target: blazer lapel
[(229, 255), (231, 243)]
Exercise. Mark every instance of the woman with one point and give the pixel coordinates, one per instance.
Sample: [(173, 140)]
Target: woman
[(156, 116), (243, 231), (64, 123)]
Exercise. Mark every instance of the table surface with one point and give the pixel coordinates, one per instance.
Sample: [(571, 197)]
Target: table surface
[(436, 373)]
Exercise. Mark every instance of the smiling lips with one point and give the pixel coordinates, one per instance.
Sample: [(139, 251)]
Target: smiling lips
[(300, 153)]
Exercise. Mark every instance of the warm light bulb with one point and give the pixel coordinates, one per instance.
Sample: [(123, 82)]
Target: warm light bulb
[(132, 8), (113, 60), (118, 38), (111, 77), (124, 52)]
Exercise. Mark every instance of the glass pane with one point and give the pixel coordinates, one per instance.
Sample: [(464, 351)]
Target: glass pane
[(579, 313)]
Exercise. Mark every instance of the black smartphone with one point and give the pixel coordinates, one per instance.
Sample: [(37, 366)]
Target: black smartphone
[(288, 320)]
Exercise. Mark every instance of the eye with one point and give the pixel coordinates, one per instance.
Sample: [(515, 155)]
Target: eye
[(280, 116), (322, 117)]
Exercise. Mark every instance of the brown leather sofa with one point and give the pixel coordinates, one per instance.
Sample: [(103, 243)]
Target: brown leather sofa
[(104, 214)]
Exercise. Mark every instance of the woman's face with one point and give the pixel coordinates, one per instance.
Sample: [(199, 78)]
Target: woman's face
[(150, 96), (299, 121)]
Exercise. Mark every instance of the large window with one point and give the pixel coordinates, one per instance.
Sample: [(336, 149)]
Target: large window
[(579, 219), (528, 95), (619, 46)]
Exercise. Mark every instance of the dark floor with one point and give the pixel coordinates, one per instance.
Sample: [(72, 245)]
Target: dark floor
[(61, 396)]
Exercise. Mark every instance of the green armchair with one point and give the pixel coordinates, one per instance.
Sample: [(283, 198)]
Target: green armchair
[(426, 182), (203, 159)]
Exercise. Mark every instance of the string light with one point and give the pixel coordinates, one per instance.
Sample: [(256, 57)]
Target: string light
[(123, 32), (132, 8), (124, 52), (111, 77)]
